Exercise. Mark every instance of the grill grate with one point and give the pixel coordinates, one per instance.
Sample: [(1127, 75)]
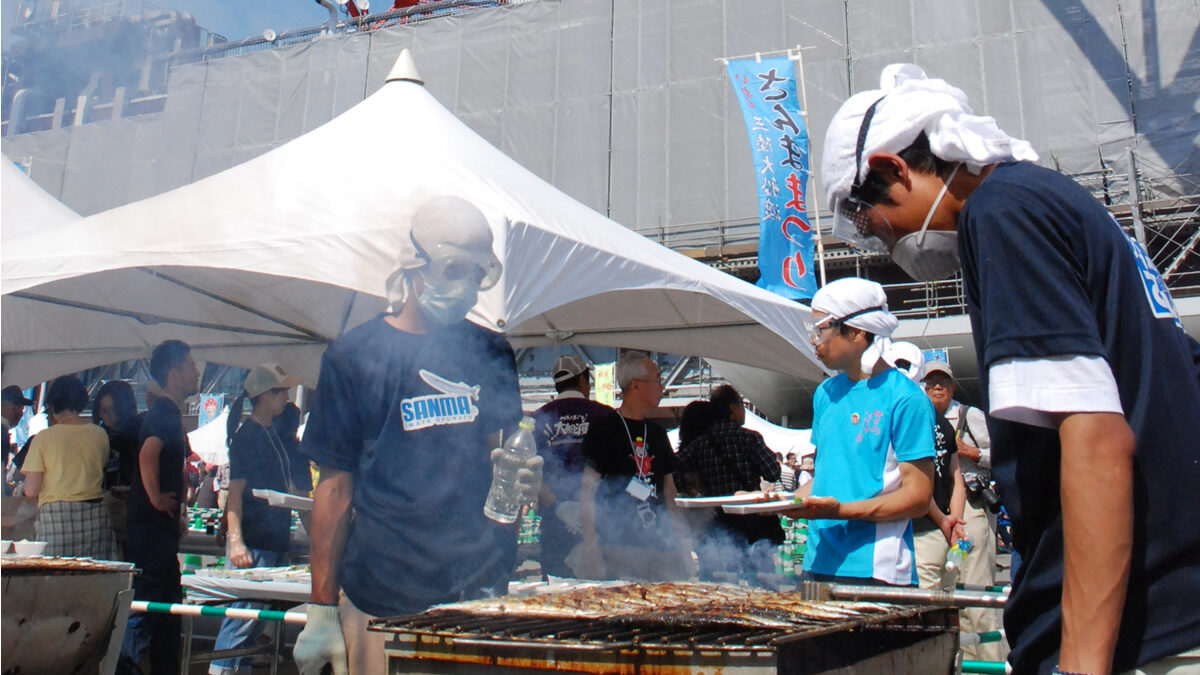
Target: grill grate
[(704, 633)]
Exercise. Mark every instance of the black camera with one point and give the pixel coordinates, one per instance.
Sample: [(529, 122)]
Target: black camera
[(981, 488)]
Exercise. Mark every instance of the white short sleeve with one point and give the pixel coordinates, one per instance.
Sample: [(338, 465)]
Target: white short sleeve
[(1033, 390)]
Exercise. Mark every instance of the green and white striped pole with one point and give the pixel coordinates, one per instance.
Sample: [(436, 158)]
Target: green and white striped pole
[(227, 612)]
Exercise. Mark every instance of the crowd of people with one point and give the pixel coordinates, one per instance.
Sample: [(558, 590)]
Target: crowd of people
[(117, 487)]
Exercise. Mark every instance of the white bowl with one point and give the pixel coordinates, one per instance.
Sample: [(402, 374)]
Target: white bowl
[(27, 547)]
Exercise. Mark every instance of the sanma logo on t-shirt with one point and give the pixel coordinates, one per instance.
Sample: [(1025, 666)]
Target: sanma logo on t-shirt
[(454, 405)]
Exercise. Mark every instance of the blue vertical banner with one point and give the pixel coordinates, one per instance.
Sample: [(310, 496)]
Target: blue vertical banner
[(766, 90), (210, 408)]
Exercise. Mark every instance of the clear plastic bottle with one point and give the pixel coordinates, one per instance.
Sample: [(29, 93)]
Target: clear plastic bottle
[(503, 502), (954, 563)]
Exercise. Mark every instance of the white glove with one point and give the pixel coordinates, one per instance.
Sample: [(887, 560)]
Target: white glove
[(568, 513), (321, 642), (529, 480)]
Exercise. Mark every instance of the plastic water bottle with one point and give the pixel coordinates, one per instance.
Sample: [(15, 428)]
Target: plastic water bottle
[(503, 503), (954, 563)]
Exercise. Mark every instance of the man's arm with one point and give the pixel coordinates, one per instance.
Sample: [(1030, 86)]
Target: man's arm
[(1097, 504), (330, 528), (683, 538), (33, 484), (910, 500), (239, 555), (148, 457), (952, 525), (593, 560)]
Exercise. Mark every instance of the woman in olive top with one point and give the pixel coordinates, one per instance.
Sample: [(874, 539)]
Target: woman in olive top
[(64, 471)]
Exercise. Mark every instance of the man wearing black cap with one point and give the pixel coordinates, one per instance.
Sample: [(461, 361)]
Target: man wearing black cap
[(561, 426), (12, 409)]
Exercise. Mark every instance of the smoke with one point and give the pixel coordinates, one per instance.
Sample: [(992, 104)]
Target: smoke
[(727, 548)]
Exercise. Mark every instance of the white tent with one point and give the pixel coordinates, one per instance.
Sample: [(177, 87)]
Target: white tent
[(25, 206), (209, 440), (272, 259)]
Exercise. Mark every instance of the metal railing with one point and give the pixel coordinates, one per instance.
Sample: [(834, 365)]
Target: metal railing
[(362, 24)]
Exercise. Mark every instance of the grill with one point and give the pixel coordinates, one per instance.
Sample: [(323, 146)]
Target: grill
[(855, 637), (62, 615)]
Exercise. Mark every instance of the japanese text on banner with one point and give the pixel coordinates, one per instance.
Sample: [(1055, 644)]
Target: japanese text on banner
[(766, 91)]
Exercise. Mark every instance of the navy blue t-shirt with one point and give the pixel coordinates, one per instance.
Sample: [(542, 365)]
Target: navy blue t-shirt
[(409, 416), (559, 427), (1048, 272), (261, 458), (164, 422)]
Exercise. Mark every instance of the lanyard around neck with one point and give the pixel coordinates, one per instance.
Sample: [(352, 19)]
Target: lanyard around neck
[(642, 471)]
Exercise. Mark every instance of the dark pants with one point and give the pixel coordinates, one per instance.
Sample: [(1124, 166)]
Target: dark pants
[(557, 542), (154, 548)]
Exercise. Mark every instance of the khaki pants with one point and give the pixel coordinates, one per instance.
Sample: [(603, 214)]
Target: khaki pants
[(979, 568), (364, 649)]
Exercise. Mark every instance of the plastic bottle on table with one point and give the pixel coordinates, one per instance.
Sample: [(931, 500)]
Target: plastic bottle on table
[(503, 502), (954, 564)]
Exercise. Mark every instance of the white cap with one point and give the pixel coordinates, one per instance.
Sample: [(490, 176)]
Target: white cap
[(568, 367), (266, 377)]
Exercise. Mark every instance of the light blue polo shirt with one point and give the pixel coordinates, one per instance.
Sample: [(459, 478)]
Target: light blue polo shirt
[(862, 431)]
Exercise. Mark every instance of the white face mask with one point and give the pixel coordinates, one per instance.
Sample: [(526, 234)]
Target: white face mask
[(446, 303), (929, 255)]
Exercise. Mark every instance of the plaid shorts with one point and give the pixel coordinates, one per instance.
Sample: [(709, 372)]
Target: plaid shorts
[(77, 529)]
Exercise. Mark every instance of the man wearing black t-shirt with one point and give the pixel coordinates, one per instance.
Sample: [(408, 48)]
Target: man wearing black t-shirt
[(154, 509), (627, 496), (1088, 376), (406, 413), (560, 427)]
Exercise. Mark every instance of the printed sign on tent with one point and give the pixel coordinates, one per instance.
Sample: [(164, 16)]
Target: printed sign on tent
[(606, 383), (766, 90)]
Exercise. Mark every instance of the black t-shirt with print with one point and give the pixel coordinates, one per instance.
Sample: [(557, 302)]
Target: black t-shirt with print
[(944, 448), (609, 448)]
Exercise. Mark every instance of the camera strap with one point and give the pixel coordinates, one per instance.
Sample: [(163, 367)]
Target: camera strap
[(962, 424)]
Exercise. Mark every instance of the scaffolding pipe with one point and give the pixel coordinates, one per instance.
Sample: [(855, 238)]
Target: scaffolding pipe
[(1135, 199)]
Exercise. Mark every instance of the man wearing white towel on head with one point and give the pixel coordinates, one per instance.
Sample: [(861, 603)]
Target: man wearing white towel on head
[(873, 430), (1088, 376)]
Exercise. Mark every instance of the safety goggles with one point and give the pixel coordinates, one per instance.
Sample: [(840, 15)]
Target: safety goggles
[(819, 332), (456, 269), (854, 221)]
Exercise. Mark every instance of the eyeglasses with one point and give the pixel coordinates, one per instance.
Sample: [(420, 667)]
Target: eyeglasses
[(648, 380), (937, 382)]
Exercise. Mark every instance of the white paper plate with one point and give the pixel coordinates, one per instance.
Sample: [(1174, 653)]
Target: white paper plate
[(763, 507), (723, 500)]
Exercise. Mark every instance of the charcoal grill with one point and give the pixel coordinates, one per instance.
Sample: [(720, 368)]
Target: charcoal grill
[(901, 639)]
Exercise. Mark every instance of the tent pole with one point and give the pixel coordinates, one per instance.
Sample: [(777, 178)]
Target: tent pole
[(813, 197)]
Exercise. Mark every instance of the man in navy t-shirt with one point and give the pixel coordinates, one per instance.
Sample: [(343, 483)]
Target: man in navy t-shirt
[(560, 427), (400, 430), (155, 500), (1088, 376)]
